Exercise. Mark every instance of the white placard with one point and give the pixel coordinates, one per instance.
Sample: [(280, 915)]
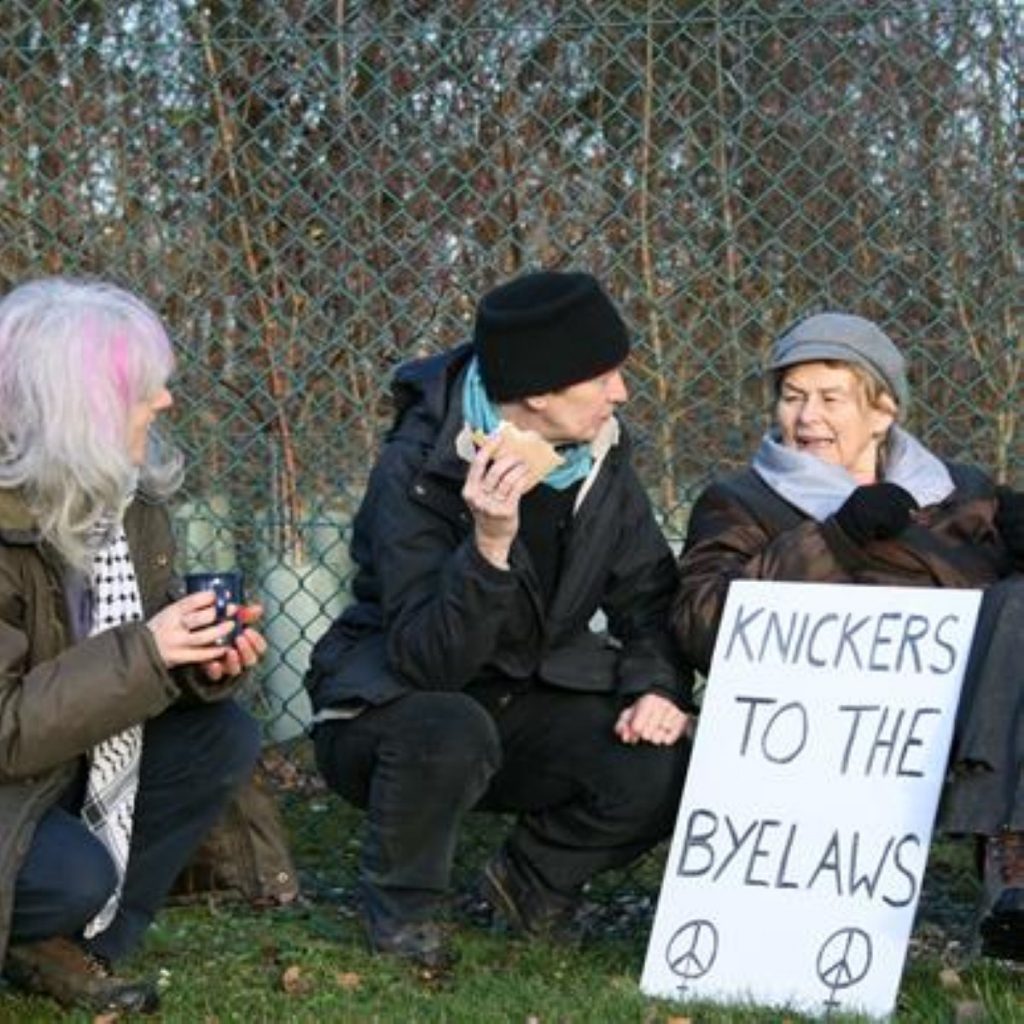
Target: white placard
[(803, 833)]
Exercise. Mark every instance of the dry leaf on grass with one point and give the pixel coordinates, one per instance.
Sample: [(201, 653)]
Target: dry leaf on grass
[(348, 980), (294, 982), (106, 1018), (949, 979), (678, 1020)]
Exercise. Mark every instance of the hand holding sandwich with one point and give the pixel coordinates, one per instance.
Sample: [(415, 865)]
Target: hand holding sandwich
[(508, 463), (495, 483)]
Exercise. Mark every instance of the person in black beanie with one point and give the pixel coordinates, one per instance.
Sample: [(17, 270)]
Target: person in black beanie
[(466, 675), (838, 492)]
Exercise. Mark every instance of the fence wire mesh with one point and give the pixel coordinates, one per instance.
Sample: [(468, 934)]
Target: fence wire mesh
[(311, 192)]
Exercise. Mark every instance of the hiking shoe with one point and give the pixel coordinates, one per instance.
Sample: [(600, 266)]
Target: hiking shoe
[(62, 970), (526, 909), (421, 943)]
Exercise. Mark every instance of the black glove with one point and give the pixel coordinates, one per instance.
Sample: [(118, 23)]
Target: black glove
[(1010, 519), (875, 511)]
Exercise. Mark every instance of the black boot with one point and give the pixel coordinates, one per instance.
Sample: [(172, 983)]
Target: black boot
[(62, 970), (423, 944), (527, 909)]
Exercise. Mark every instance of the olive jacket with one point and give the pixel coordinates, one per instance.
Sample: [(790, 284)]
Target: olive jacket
[(62, 691)]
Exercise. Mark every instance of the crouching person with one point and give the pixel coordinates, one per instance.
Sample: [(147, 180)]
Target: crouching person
[(502, 513), (118, 744)]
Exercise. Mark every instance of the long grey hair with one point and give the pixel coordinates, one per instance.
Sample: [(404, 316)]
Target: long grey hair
[(76, 358)]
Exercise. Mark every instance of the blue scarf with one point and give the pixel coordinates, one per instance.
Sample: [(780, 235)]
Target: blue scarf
[(482, 414)]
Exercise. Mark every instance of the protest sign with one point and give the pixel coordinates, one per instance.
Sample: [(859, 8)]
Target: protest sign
[(803, 833)]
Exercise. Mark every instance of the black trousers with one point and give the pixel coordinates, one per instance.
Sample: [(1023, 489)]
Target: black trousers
[(193, 758), (985, 790), (586, 802)]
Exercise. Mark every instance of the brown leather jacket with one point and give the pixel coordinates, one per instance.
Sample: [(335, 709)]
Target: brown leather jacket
[(742, 529), (60, 695)]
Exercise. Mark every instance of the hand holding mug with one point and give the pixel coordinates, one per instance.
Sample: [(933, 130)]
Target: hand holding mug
[(244, 652), (210, 627), (190, 631), (243, 646), (228, 589)]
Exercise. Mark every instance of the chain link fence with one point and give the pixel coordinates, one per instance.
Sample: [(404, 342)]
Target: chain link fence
[(311, 192)]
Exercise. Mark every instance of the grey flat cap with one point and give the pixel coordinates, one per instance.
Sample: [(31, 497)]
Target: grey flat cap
[(848, 338)]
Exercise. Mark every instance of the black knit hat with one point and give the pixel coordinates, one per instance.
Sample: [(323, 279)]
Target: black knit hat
[(544, 331)]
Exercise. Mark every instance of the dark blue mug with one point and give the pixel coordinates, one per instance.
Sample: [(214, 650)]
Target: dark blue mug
[(228, 587)]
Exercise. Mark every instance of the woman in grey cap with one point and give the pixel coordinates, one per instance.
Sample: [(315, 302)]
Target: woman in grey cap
[(839, 492)]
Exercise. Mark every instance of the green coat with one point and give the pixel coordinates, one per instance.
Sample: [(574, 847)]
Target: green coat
[(59, 697)]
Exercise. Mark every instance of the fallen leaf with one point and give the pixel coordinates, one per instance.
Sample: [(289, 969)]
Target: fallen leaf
[(678, 1020), (293, 982), (106, 1018), (348, 980), (949, 979)]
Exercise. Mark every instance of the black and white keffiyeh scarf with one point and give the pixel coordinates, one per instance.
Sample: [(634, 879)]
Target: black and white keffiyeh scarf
[(113, 778)]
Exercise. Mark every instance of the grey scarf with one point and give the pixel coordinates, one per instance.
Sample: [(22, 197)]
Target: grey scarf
[(819, 488)]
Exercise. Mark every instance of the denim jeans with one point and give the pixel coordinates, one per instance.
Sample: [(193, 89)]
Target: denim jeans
[(193, 758)]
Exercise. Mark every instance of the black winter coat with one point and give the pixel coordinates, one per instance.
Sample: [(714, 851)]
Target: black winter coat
[(431, 613)]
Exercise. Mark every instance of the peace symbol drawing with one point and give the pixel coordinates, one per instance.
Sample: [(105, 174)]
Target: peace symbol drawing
[(692, 950), (843, 960)]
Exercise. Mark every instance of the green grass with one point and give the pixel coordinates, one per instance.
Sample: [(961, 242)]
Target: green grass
[(309, 963), (229, 966)]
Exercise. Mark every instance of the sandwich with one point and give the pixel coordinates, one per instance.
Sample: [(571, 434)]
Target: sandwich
[(539, 455)]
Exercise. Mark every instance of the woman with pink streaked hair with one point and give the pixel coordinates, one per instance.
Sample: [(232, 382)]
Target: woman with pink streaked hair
[(119, 741)]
